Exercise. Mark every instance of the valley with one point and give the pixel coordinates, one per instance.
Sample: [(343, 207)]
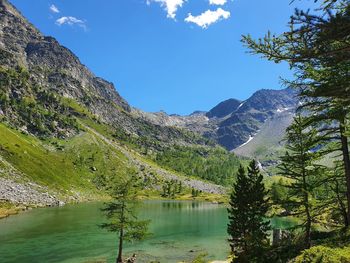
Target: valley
[(66, 133), (88, 177)]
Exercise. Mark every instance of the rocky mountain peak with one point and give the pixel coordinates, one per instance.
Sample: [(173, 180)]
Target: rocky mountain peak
[(269, 100), (232, 122), (52, 65), (198, 112), (224, 108), (47, 89)]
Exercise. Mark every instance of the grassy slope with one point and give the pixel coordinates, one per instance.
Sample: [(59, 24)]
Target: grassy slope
[(90, 158), (61, 165), (77, 165), (267, 143), (82, 163)]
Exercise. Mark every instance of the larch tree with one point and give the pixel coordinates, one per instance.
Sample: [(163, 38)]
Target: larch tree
[(317, 48), (121, 214), (299, 166)]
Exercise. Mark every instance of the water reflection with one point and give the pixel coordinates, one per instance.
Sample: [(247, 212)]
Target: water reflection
[(184, 205)]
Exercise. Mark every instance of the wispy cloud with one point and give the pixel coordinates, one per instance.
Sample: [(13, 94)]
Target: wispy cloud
[(208, 17), (217, 2), (71, 20), (54, 9), (170, 6)]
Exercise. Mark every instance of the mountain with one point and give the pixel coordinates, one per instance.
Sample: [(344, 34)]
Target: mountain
[(267, 144), (67, 134), (233, 123), (244, 122), (57, 74), (224, 108)]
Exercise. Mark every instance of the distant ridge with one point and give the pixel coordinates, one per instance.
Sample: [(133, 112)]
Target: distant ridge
[(232, 122)]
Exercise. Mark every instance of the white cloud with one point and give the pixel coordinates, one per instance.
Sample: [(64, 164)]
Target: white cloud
[(208, 17), (217, 2), (54, 9), (70, 20), (171, 6)]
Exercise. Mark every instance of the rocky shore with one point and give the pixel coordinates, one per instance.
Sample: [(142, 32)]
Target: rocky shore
[(26, 194)]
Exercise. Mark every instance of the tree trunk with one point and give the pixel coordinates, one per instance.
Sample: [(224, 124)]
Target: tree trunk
[(308, 227), (120, 250), (121, 237), (346, 160), (341, 204), (307, 212)]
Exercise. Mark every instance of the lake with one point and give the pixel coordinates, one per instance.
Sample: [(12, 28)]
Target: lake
[(70, 234)]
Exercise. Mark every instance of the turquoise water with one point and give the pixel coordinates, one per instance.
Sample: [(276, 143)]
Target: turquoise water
[(70, 234)]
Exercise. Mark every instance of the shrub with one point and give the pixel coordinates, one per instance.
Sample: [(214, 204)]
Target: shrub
[(322, 254)]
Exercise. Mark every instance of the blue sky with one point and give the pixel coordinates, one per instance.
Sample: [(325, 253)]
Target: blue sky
[(163, 58)]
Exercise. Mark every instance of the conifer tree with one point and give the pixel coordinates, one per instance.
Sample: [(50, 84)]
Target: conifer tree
[(259, 206), (317, 48), (334, 192), (299, 165), (121, 215), (247, 227)]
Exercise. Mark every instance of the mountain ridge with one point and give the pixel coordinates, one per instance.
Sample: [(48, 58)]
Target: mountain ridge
[(61, 76), (232, 122)]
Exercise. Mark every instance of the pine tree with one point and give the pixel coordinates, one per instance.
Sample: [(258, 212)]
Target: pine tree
[(278, 192), (121, 215), (334, 192), (299, 165), (180, 187), (259, 206), (193, 192), (248, 206)]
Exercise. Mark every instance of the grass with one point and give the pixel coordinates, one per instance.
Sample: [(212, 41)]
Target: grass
[(207, 197), (64, 166), (76, 107), (82, 164)]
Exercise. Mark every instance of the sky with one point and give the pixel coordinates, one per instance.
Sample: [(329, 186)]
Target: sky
[(172, 55)]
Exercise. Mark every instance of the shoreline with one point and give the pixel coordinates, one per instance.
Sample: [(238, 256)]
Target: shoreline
[(8, 209)]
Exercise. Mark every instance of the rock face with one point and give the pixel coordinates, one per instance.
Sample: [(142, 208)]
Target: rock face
[(52, 72), (65, 70), (49, 63), (232, 122), (224, 108), (246, 120)]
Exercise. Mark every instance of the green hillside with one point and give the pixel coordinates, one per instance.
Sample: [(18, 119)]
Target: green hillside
[(62, 165)]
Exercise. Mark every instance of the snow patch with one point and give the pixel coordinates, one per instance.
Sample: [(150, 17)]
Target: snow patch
[(250, 138), (240, 105), (282, 110)]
